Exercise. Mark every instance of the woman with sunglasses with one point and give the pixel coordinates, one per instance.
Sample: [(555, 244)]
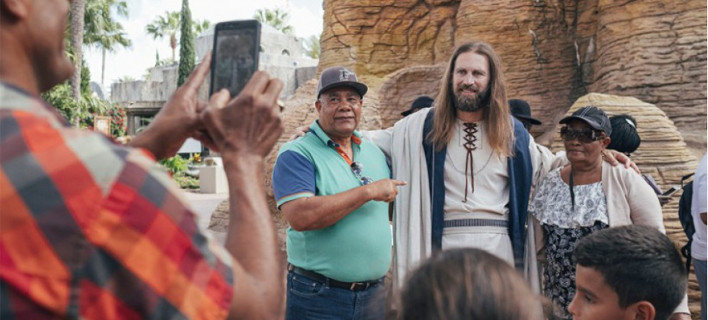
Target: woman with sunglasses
[(583, 197)]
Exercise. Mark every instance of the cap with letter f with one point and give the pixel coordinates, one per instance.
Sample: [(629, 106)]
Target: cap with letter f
[(340, 77)]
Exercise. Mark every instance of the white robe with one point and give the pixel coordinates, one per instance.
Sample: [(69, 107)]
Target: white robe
[(412, 221)]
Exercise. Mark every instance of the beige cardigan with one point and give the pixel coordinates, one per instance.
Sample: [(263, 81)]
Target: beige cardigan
[(630, 200)]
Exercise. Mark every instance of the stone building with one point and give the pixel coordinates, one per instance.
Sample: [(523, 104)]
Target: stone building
[(281, 55)]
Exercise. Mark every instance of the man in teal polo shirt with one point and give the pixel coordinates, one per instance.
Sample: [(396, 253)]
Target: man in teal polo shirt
[(333, 189)]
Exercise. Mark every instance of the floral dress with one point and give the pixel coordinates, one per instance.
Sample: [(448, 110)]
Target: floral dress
[(563, 226)]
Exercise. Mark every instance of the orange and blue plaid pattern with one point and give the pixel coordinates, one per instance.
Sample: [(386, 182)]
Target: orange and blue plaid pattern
[(90, 229)]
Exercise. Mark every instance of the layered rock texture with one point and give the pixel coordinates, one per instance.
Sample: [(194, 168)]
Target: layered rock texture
[(553, 51)]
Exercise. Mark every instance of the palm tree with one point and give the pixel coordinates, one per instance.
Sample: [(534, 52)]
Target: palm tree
[(101, 31), (77, 38), (200, 26), (275, 18), (165, 26), (312, 47)]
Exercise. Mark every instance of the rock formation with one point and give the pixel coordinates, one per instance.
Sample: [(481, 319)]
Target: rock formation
[(553, 51)]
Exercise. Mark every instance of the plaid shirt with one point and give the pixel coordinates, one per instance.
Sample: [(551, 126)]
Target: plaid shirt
[(90, 229)]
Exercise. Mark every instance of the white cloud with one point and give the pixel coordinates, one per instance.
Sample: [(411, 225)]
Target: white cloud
[(306, 22), (305, 17)]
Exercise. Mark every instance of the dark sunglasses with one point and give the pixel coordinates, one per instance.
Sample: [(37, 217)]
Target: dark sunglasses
[(584, 136), (356, 168)]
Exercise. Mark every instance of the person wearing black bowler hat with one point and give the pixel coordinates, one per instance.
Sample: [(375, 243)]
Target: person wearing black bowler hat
[(419, 103), (522, 111)]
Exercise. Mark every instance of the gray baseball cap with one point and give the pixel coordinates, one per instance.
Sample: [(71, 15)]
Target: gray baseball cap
[(593, 116), (339, 77)]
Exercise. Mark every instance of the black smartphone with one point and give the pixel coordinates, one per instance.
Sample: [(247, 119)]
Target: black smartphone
[(670, 191), (235, 55)]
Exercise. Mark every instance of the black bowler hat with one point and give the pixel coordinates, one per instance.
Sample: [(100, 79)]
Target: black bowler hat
[(419, 103), (522, 111)]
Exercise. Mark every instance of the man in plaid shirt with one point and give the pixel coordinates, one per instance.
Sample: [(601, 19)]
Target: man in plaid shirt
[(90, 229)]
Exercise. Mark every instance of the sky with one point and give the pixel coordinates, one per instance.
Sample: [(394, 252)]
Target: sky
[(305, 17)]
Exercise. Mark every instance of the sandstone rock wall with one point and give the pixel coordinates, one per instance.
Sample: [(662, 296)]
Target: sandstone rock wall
[(655, 50), (553, 51), (378, 37), (402, 87)]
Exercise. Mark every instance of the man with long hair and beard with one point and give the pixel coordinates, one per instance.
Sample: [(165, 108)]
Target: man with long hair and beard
[(469, 166)]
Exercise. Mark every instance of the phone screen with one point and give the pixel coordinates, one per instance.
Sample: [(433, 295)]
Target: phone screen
[(235, 55)]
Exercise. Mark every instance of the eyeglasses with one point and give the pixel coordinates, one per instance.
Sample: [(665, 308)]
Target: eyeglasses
[(356, 168), (584, 136)]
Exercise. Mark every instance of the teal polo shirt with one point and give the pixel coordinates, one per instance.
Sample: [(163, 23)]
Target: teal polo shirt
[(357, 247)]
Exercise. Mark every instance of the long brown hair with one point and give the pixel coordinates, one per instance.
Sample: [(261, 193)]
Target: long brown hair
[(499, 126)]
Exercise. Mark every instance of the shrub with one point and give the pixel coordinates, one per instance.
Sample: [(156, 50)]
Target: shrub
[(175, 164), (83, 112), (186, 182)]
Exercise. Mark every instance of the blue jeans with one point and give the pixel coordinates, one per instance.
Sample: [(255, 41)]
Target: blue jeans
[(699, 267), (311, 299)]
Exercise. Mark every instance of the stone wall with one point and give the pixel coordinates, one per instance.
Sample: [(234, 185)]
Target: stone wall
[(553, 51), (655, 51), (402, 87), (281, 56), (157, 87), (378, 37)]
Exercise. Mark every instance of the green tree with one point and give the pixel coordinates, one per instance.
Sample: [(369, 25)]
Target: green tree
[(102, 31), (200, 26), (276, 18), (312, 47), (61, 97), (186, 47), (165, 26), (85, 84)]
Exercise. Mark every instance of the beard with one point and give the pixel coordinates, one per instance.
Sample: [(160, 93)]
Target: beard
[(471, 104)]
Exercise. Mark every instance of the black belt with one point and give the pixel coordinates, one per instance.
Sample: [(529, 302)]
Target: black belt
[(353, 286)]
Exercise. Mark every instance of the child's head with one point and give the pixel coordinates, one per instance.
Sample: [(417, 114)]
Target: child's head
[(627, 271), (467, 284)]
